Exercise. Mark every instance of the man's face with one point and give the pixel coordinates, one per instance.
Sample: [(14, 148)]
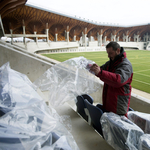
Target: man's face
[(111, 53)]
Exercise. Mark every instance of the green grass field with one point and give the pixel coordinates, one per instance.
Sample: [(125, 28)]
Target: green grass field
[(140, 60)]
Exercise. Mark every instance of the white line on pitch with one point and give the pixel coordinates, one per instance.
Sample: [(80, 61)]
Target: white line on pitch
[(142, 74), (142, 82), (141, 70)]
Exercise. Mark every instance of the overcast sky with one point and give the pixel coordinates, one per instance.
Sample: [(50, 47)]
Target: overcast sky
[(115, 12)]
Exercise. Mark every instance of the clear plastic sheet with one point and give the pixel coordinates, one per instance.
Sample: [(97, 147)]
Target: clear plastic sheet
[(120, 132), (140, 119), (144, 142), (66, 80), (34, 127), (15, 90), (28, 123)]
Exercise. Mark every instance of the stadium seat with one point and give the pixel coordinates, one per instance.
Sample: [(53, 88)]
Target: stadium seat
[(88, 97), (130, 109), (95, 114), (140, 119), (81, 107), (120, 132)]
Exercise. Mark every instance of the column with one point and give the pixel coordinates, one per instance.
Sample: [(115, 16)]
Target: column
[(134, 38), (67, 36), (47, 39), (98, 39), (137, 38), (111, 37), (56, 34), (126, 38), (90, 38), (11, 32), (74, 38), (104, 39), (146, 37), (123, 38), (117, 38), (101, 40), (85, 41), (129, 38), (36, 38), (24, 35), (114, 37), (56, 37)]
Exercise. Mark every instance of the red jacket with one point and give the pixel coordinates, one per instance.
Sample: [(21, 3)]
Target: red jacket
[(117, 78)]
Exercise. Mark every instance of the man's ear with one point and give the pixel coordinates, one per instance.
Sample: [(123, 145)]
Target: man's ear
[(118, 51)]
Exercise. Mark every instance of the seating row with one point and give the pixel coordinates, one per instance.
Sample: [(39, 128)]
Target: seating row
[(90, 112), (120, 132)]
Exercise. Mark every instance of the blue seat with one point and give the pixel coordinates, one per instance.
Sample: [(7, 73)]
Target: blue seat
[(81, 105), (88, 97), (95, 114), (130, 109)]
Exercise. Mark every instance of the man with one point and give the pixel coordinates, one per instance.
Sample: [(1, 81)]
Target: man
[(117, 77)]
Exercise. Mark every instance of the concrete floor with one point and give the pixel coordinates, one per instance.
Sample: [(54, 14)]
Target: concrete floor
[(85, 136)]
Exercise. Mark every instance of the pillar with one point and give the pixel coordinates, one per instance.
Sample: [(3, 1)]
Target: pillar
[(146, 37), (101, 40), (117, 38), (56, 37), (67, 36), (85, 41), (36, 38), (134, 38), (90, 38), (126, 38), (24, 35), (129, 39), (47, 38), (114, 37), (84, 36), (111, 37), (11, 32), (104, 39), (74, 38), (137, 38), (56, 34), (98, 39)]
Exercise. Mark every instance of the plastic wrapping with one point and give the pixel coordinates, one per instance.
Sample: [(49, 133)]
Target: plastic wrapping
[(28, 123), (144, 142), (140, 119), (15, 90), (66, 80), (120, 132), (33, 127)]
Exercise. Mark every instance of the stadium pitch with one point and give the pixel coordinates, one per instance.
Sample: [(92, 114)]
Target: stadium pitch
[(140, 60)]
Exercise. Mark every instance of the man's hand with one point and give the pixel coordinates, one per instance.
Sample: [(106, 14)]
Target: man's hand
[(95, 68)]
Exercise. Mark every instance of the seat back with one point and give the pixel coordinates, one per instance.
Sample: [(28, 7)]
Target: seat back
[(95, 114), (88, 97), (120, 132), (81, 107), (130, 109)]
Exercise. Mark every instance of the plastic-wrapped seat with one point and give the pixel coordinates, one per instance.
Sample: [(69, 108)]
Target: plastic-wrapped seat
[(120, 132), (81, 107), (95, 115), (140, 119), (144, 142)]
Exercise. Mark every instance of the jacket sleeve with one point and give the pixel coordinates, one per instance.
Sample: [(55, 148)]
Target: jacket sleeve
[(121, 76)]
